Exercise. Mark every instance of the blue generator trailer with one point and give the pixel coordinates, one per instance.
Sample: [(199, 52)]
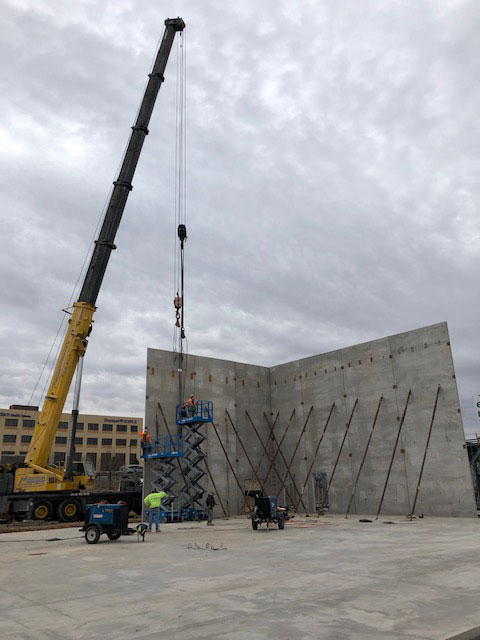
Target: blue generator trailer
[(111, 519)]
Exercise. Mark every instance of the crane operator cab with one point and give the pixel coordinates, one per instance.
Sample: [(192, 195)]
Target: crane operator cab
[(84, 472)]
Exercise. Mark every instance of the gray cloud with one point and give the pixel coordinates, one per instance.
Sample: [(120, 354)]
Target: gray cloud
[(332, 181)]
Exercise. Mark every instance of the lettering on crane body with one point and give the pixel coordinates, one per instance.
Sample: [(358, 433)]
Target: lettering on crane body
[(32, 481)]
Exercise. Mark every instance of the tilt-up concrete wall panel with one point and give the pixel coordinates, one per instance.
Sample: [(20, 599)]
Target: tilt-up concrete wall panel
[(444, 480), (252, 386), (296, 386), (368, 376), (233, 388), (356, 471), (419, 360), (338, 378)]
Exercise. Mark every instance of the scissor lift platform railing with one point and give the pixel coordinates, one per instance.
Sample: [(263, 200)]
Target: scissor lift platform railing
[(165, 447), (201, 412)]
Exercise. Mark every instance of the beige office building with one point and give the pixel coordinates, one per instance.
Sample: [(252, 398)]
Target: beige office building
[(108, 441)]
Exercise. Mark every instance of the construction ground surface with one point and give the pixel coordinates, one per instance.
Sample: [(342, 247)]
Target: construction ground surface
[(319, 578)]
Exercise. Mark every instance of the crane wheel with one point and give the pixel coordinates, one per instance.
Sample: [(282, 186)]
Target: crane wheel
[(69, 510), (42, 510)]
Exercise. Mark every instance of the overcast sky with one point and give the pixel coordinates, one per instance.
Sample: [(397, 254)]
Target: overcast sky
[(333, 152)]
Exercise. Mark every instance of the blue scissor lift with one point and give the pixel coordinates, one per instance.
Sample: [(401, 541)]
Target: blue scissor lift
[(187, 446)]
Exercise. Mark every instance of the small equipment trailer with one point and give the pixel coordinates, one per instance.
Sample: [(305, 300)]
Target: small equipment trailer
[(266, 510), (111, 519)]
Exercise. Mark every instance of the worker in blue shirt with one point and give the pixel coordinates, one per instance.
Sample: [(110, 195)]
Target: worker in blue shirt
[(153, 502)]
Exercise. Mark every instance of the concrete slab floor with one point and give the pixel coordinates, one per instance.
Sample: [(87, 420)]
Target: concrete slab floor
[(319, 578)]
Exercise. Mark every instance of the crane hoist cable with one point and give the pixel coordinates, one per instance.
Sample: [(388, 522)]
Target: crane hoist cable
[(179, 340)]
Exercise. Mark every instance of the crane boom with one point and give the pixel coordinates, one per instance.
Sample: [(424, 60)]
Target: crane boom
[(80, 323)]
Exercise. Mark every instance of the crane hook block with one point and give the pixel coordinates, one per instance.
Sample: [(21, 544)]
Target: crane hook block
[(182, 232), (177, 302)]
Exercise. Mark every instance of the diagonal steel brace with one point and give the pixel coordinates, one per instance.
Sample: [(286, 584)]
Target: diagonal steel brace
[(295, 452), (266, 451), (307, 477)]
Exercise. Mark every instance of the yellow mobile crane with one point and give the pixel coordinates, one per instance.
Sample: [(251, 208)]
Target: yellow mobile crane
[(39, 489)]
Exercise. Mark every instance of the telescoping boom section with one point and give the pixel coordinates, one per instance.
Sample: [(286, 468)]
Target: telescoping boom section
[(37, 475)]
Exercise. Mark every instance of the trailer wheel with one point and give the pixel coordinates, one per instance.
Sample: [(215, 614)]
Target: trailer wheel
[(92, 534), (42, 510), (69, 510), (281, 523), (254, 524), (113, 535)]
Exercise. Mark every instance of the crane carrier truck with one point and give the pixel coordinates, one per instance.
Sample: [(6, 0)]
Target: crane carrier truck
[(33, 488)]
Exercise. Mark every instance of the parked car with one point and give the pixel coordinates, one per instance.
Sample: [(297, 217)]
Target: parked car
[(132, 468)]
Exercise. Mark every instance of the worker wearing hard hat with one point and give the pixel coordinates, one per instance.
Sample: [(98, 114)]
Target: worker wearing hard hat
[(209, 504), (190, 406), (153, 502), (145, 441)]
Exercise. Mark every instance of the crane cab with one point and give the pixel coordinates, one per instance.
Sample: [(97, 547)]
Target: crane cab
[(83, 472)]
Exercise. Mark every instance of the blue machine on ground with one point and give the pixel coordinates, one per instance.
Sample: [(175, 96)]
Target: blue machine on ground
[(180, 515), (111, 519), (267, 510)]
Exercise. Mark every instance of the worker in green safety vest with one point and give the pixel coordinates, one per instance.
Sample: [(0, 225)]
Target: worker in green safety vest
[(153, 502)]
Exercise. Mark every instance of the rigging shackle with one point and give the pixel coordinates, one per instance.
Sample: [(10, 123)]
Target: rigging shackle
[(177, 303)]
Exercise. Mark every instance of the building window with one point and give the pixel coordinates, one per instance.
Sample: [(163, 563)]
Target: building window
[(92, 457), (23, 453), (63, 425), (133, 442), (93, 426), (59, 457), (118, 460), (9, 437), (28, 424), (92, 440), (106, 462), (121, 442), (121, 427), (61, 440), (7, 453), (108, 427), (134, 428), (79, 426), (78, 440), (106, 441), (77, 456), (26, 438), (133, 459), (12, 422)]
